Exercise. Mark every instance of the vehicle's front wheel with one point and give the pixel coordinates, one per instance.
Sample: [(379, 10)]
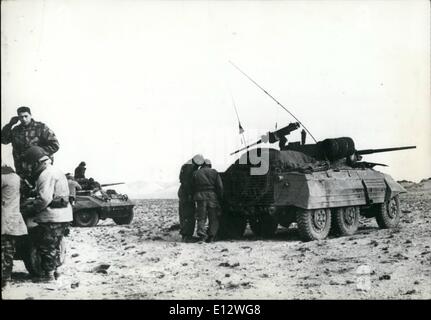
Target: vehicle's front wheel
[(313, 224), (345, 221), (126, 219), (388, 215), (86, 218)]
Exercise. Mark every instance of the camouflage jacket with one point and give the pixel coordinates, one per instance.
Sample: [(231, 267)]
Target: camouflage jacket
[(23, 137)]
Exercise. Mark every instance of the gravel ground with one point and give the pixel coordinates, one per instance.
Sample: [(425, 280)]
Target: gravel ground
[(146, 260)]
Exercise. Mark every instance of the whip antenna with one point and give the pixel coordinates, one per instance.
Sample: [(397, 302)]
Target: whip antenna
[(274, 100)]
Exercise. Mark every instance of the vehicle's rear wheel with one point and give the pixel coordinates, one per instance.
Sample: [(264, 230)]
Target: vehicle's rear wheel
[(313, 224), (345, 221), (86, 218), (126, 219), (263, 226), (388, 215)]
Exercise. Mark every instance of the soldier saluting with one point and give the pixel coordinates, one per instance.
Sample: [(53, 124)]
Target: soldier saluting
[(28, 133)]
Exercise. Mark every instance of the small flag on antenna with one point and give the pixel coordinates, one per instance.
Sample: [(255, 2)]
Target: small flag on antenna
[(241, 130)]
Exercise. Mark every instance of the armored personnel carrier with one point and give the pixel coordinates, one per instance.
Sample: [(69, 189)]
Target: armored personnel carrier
[(95, 204), (323, 187)]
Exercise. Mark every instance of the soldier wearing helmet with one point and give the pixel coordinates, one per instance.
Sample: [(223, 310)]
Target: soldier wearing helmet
[(50, 209), (208, 192), (186, 208)]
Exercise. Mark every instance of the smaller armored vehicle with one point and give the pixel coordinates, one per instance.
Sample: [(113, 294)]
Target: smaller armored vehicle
[(92, 205)]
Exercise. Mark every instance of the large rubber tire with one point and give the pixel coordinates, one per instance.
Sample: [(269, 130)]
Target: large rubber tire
[(86, 218), (388, 215), (127, 219), (345, 221), (313, 224), (264, 226)]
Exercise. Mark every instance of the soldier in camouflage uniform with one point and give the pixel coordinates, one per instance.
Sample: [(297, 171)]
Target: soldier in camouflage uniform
[(12, 222), (28, 133), (51, 210), (186, 208)]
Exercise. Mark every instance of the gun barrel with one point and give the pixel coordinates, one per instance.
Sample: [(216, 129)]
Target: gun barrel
[(250, 145), (111, 184), (370, 151)]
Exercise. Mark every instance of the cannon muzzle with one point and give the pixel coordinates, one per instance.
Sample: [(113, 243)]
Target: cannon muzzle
[(371, 151), (111, 184)]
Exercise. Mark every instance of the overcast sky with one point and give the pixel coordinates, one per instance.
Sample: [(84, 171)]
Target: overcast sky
[(136, 88)]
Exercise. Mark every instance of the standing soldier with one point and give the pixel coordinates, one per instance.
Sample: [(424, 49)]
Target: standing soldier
[(73, 186), (208, 192), (28, 133), (186, 208), (12, 223), (51, 209)]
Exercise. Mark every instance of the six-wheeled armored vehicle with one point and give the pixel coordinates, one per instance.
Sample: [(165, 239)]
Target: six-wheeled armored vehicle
[(92, 205), (322, 187)]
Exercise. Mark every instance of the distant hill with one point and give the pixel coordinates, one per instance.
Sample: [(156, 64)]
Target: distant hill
[(424, 184), (150, 190)]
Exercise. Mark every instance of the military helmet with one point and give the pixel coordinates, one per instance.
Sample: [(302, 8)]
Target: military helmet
[(35, 154), (207, 162), (198, 160)]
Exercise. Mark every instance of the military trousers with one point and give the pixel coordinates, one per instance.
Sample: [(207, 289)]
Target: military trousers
[(7, 253), (186, 213), (207, 210), (47, 237)]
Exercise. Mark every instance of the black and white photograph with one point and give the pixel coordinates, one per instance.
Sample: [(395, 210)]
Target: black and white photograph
[(215, 150)]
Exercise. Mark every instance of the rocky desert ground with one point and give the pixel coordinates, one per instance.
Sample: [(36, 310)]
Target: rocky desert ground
[(146, 260)]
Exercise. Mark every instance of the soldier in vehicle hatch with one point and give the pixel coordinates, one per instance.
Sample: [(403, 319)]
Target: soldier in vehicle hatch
[(186, 208), (208, 193)]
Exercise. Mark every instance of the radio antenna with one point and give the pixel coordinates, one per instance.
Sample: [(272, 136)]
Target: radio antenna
[(267, 93)]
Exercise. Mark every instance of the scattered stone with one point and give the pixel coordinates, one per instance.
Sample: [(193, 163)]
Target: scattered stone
[(265, 275), (374, 243), (142, 252), (184, 264), (101, 268), (228, 265), (416, 282), (227, 275), (385, 277), (74, 284), (333, 283), (410, 292), (129, 247), (74, 255), (224, 250)]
